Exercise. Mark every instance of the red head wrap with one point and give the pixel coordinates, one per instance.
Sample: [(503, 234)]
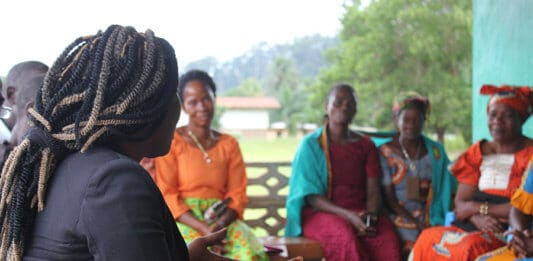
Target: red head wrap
[(518, 98)]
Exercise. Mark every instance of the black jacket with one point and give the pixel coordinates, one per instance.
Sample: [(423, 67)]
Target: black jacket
[(102, 205)]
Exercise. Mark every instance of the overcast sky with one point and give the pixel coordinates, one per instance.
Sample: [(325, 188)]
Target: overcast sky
[(39, 30)]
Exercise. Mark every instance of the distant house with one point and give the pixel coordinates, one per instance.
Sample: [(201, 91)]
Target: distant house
[(247, 117)]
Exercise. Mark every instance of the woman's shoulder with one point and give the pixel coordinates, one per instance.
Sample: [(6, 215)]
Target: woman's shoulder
[(226, 141), (476, 148), (96, 157), (432, 142), (528, 144), (97, 166), (104, 158), (178, 141), (388, 149), (363, 139), (526, 152), (113, 169), (179, 133), (435, 148), (488, 147), (471, 157), (225, 137)]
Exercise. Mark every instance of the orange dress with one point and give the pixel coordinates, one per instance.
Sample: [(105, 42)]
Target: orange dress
[(189, 183), (453, 243), (183, 173), (523, 201)]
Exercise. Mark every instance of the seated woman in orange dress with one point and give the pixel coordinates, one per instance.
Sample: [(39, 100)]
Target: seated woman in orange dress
[(489, 172), (521, 217), (202, 168)]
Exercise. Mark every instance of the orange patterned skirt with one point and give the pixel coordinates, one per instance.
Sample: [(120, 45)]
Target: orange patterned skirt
[(453, 243)]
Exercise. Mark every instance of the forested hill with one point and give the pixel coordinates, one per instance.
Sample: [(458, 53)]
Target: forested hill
[(305, 54)]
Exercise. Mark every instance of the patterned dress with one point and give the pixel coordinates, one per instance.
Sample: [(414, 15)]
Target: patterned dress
[(396, 173)]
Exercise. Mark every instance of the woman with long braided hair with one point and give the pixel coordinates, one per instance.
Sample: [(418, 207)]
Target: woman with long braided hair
[(73, 190)]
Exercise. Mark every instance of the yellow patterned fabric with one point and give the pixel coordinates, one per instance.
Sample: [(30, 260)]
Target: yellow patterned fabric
[(523, 197), (241, 243), (500, 254)]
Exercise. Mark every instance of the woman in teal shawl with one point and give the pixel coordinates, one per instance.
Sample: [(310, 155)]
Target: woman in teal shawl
[(334, 188), (417, 184)]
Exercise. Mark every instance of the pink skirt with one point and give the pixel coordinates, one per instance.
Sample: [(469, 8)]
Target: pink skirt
[(339, 241)]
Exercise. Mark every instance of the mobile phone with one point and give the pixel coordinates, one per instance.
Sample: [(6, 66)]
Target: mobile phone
[(272, 249)]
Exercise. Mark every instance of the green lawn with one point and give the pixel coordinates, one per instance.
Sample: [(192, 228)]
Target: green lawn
[(283, 149)]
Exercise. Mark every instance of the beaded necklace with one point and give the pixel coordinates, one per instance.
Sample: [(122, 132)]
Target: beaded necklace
[(199, 145), (410, 162)]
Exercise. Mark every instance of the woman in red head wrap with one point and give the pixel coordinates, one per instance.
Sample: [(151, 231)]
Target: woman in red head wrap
[(489, 172), (519, 99)]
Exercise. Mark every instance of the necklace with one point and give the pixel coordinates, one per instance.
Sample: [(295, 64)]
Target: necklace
[(199, 145), (411, 163)]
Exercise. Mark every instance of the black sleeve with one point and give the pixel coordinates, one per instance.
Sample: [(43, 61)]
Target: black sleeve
[(123, 215)]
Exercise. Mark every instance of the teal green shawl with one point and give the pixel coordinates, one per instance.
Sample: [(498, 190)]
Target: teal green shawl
[(443, 183), (309, 176)]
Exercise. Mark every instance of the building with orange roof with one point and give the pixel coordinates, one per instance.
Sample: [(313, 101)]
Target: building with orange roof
[(247, 117)]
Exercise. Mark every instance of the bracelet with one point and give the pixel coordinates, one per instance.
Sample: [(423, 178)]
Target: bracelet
[(484, 209)]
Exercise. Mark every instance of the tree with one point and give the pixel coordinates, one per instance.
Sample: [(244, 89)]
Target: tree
[(284, 83), (249, 88), (281, 74), (209, 64), (305, 54), (398, 45)]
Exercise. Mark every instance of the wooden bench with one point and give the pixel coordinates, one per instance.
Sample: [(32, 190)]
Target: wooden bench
[(266, 213)]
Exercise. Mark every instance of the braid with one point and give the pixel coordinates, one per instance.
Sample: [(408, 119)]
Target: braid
[(103, 88)]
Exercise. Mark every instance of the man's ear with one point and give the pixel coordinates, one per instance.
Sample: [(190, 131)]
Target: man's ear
[(10, 93)]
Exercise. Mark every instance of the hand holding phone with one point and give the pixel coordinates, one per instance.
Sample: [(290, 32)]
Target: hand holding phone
[(370, 223)]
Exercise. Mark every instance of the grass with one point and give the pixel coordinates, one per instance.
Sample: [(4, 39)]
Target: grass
[(454, 145), (283, 149)]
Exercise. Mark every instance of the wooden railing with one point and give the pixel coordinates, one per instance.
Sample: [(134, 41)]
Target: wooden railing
[(267, 192)]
